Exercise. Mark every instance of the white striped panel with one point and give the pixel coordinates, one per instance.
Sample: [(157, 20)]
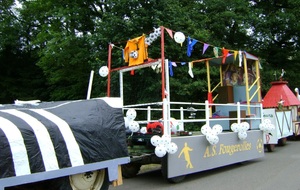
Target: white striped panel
[(71, 143), (17, 147), (43, 138)]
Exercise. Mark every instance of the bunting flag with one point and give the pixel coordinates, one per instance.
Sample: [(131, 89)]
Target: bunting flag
[(240, 58), (170, 68), (190, 69), (235, 54), (169, 32), (216, 53), (123, 55), (225, 53), (190, 45), (205, 46)]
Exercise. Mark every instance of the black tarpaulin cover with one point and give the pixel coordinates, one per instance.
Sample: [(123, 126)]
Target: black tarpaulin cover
[(54, 135)]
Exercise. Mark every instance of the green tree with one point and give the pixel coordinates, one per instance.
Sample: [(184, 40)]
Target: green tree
[(20, 78), (67, 39), (277, 39)]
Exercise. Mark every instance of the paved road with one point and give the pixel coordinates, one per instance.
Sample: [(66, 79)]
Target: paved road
[(278, 170)]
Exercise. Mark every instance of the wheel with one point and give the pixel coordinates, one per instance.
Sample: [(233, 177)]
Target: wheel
[(270, 147), (282, 141), (130, 170), (164, 171), (97, 180)]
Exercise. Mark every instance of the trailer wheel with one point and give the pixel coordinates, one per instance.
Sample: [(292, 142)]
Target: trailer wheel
[(97, 180), (270, 147), (282, 141), (130, 170)]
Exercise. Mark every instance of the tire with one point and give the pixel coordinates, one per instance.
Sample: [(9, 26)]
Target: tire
[(130, 170), (282, 141), (97, 180), (270, 147), (164, 171)]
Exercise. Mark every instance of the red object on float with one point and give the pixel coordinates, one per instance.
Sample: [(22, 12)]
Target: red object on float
[(279, 91)]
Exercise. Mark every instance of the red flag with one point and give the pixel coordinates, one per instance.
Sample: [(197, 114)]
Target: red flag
[(225, 53), (169, 32)]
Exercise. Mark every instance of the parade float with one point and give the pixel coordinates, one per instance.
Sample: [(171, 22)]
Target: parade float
[(280, 106), (230, 117), (62, 145)]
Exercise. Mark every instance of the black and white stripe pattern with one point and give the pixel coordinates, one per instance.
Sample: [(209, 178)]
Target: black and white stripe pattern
[(56, 135)]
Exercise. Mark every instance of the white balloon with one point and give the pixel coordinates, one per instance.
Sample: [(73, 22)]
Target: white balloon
[(127, 122), (147, 41), (172, 148), (143, 130), (242, 135), (103, 71), (165, 140), (179, 37), (205, 129), (262, 126), (245, 126), (152, 35), (157, 31), (155, 140), (131, 114), (269, 128), (160, 151), (267, 121), (134, 126), (217, 128), (234, 127), (212, 132), (212, 139)]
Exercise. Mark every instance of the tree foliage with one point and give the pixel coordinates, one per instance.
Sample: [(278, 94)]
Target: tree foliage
[(49, 47)]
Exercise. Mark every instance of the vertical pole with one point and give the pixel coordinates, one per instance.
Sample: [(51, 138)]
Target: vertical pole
[(208, 83), (167, 81), (221, 75), (88, 96), (247, 83), (207, 112), (166, 107), (238, 112), (163, 87), (162, 41), (121, 81), (148, 114), (109, 69), (258, 81)]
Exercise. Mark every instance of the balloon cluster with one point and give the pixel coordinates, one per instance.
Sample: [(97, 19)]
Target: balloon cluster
[(153, 36), (163, 145), (241, 129), (132, 125), (266, 126), (212, 133), (129, 121)]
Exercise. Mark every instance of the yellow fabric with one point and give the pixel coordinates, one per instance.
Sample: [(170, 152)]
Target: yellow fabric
[(136, 44)]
